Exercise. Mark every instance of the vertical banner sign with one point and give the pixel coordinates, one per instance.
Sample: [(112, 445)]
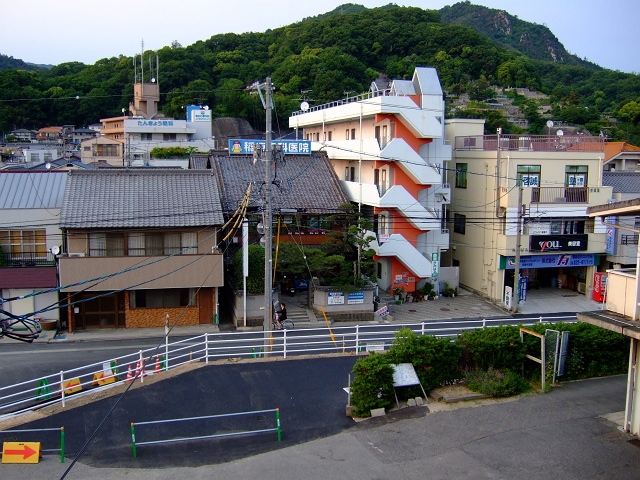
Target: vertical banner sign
[(610, 239), (524, 283), (245, 248), (434, 265)]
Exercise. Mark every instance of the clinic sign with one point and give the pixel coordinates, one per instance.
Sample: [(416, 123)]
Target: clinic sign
[(557, 243), (289, 147)]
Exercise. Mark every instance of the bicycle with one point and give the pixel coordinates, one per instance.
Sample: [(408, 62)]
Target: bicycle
[(284, 325)]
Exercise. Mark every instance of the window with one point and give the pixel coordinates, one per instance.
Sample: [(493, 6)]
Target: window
[(459, 223), (576, 175), (139, 244), (106, 245), (329, 138), (353, 134), (167, 298), (169, 137), (461, 175), (146, 136), (347, 136), (382, 224), (106, 150), (21, 242), (529, 175)]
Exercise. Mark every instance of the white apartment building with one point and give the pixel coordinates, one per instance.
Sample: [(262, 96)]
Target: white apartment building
[(387, 147)]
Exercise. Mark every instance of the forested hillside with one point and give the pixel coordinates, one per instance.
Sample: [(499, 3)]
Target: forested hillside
[(328, 55)]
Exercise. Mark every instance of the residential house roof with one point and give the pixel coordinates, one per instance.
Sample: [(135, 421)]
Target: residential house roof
[(141, 198), (50, 130), (622, 182), (23, 189), (613, 149), (62, 163), (308, 184)]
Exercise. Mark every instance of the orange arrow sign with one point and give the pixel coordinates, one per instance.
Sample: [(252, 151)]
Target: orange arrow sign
[(26, 452), (15, 452)]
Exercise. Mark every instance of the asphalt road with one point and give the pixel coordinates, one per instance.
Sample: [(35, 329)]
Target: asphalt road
[(309, 394), (558, 435)]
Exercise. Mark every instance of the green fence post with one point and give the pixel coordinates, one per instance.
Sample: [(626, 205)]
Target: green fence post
[(163, 363), (278, 424), (133, 441), (216, 319), (114, 369), (61, 444), (253, 353), (43, 389)]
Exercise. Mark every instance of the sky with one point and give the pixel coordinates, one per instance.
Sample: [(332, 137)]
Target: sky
[(602, 32)]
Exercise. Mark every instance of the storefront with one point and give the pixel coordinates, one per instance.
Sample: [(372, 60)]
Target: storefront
[(563, 270)]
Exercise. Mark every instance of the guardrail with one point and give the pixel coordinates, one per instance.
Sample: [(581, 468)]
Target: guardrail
[(57, 388), (59, 451), (135, 444)]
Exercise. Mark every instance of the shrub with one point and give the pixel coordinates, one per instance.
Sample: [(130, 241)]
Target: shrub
[(496, 383), (434, 359), (592, 351), (497, 347), (372, 386)]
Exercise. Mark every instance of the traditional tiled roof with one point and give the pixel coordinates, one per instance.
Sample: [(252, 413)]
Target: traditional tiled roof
[(613, 149), (307, 184), (32, 190), (140, 198), (622, 182)]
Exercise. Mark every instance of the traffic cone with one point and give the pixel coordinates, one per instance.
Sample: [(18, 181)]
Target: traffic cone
[(129, 375), (157, 369)]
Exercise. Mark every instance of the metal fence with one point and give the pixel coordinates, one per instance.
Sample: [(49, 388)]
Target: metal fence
[(57, 388)]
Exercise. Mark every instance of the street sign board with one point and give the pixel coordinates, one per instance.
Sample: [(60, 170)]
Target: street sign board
[(20, 452)]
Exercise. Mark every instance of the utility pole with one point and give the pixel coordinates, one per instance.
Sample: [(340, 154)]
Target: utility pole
[(516, 276), (268, 287)]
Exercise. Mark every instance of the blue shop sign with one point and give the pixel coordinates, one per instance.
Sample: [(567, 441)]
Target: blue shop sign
[(289, 147), (550, 261)]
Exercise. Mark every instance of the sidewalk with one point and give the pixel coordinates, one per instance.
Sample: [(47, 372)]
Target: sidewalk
[(465, 305)]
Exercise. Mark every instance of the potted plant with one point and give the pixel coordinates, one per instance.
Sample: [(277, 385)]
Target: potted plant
[(398, 292)]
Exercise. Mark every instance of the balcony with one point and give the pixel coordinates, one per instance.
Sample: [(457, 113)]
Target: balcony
[(531, 143), (559, 195), (629, 239), (28, 259), (117, 273)]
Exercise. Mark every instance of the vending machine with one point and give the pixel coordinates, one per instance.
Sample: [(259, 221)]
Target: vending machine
[(599, 286)]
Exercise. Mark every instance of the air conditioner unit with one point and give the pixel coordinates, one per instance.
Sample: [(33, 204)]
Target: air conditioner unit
[(76, 254)]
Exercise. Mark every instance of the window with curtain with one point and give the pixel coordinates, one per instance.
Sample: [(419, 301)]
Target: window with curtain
[(153, 244), (136, 244), (103, 244), (17, 242)]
